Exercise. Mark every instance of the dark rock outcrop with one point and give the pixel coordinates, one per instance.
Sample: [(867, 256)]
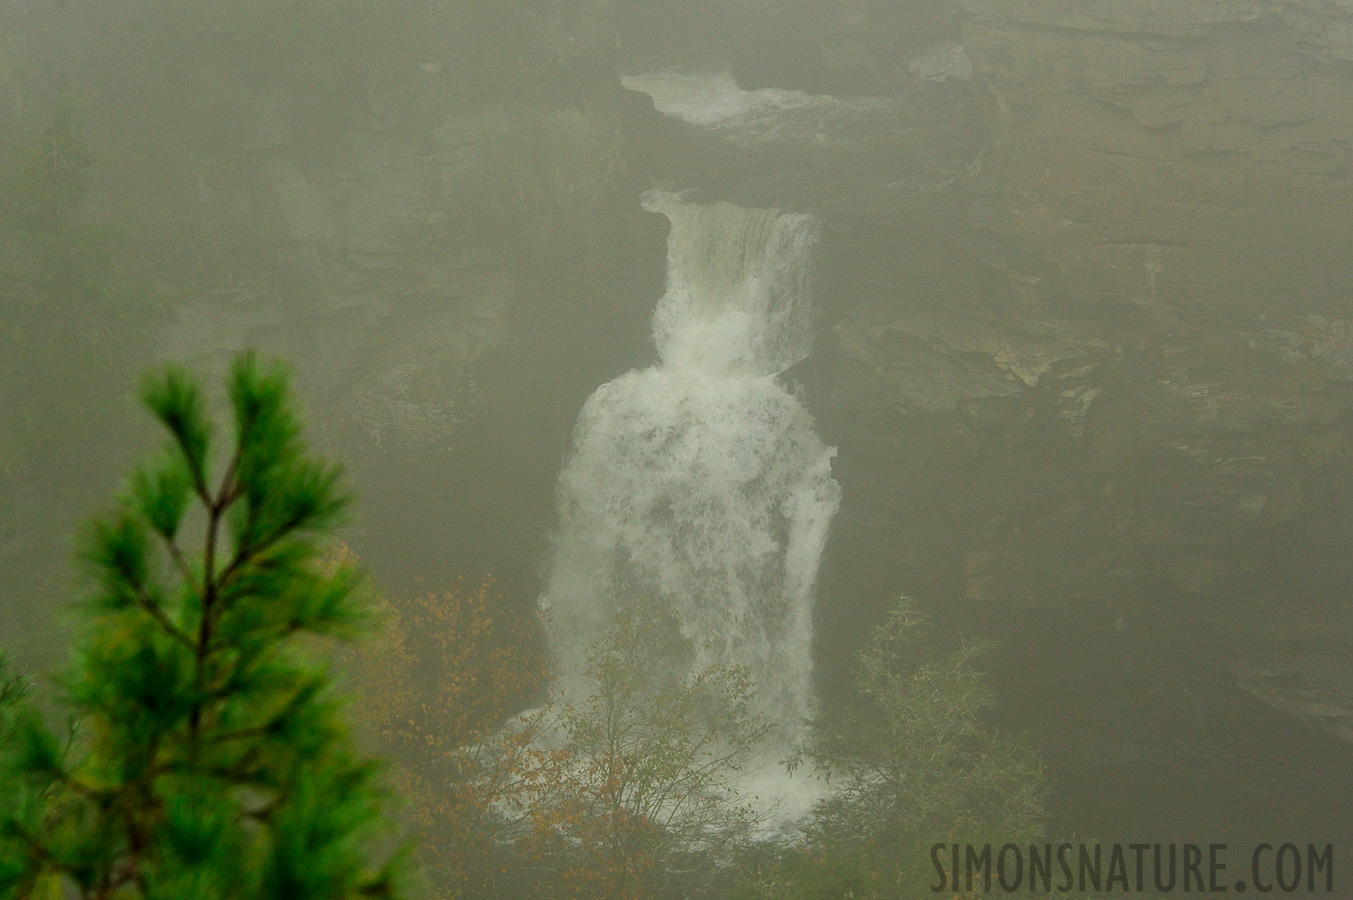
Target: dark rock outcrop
[(1091, 328), (1125, 416), (434, 215)]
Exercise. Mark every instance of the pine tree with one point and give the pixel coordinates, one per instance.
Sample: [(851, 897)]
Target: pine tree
[(210, 758)]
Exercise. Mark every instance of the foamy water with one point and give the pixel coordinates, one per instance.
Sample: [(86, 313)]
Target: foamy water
[(700, 483), (713, 100)]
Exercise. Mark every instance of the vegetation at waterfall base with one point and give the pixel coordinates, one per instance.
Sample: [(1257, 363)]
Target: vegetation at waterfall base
[(206, 750), (431, 692), (641, 798), (207, 754), (911, 764), (570, 800), (628, 792)]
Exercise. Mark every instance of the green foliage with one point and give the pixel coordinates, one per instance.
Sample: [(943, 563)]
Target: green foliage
[(433, 692), (13, 687), (911, 764), (639, 796), (212, 759), (915, 755)]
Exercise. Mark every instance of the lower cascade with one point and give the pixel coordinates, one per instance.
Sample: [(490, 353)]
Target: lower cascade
[(699, 484)]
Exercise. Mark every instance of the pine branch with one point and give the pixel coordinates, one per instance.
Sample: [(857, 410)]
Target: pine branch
[(145, 602)]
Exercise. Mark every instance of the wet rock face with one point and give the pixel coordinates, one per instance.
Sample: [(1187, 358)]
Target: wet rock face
[(1199, 441), (443, 235), (1198, 151), (375, 193), (1173, 181), (1091, 387), (1153, 524), (1089, 342), (401, 255), (416, 245)]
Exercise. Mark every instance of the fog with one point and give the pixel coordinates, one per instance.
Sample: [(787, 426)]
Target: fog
[(769, 312)]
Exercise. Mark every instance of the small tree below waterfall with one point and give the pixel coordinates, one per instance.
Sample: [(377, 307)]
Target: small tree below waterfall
[(911, 764), (641, 793), (432, 692)]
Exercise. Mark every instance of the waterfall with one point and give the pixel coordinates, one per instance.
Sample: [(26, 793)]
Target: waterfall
[(700, 482), (713, 101)]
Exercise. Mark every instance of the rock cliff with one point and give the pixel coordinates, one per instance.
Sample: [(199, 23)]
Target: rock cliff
[(1087, 357), (1122, 418), (429, 209)]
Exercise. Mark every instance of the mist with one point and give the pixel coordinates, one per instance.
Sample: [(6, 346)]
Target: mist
[(766, 313)]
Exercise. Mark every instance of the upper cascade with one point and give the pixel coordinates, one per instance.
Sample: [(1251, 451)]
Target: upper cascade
[(737, 298)]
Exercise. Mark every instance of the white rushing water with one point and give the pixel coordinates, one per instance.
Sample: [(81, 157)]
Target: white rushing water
[(700, 483), (713, 101)]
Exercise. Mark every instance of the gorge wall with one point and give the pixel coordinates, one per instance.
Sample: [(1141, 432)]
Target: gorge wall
[(1178, 175), (427, 208), (1088, 362), (1085, 335), (1114, 430)]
